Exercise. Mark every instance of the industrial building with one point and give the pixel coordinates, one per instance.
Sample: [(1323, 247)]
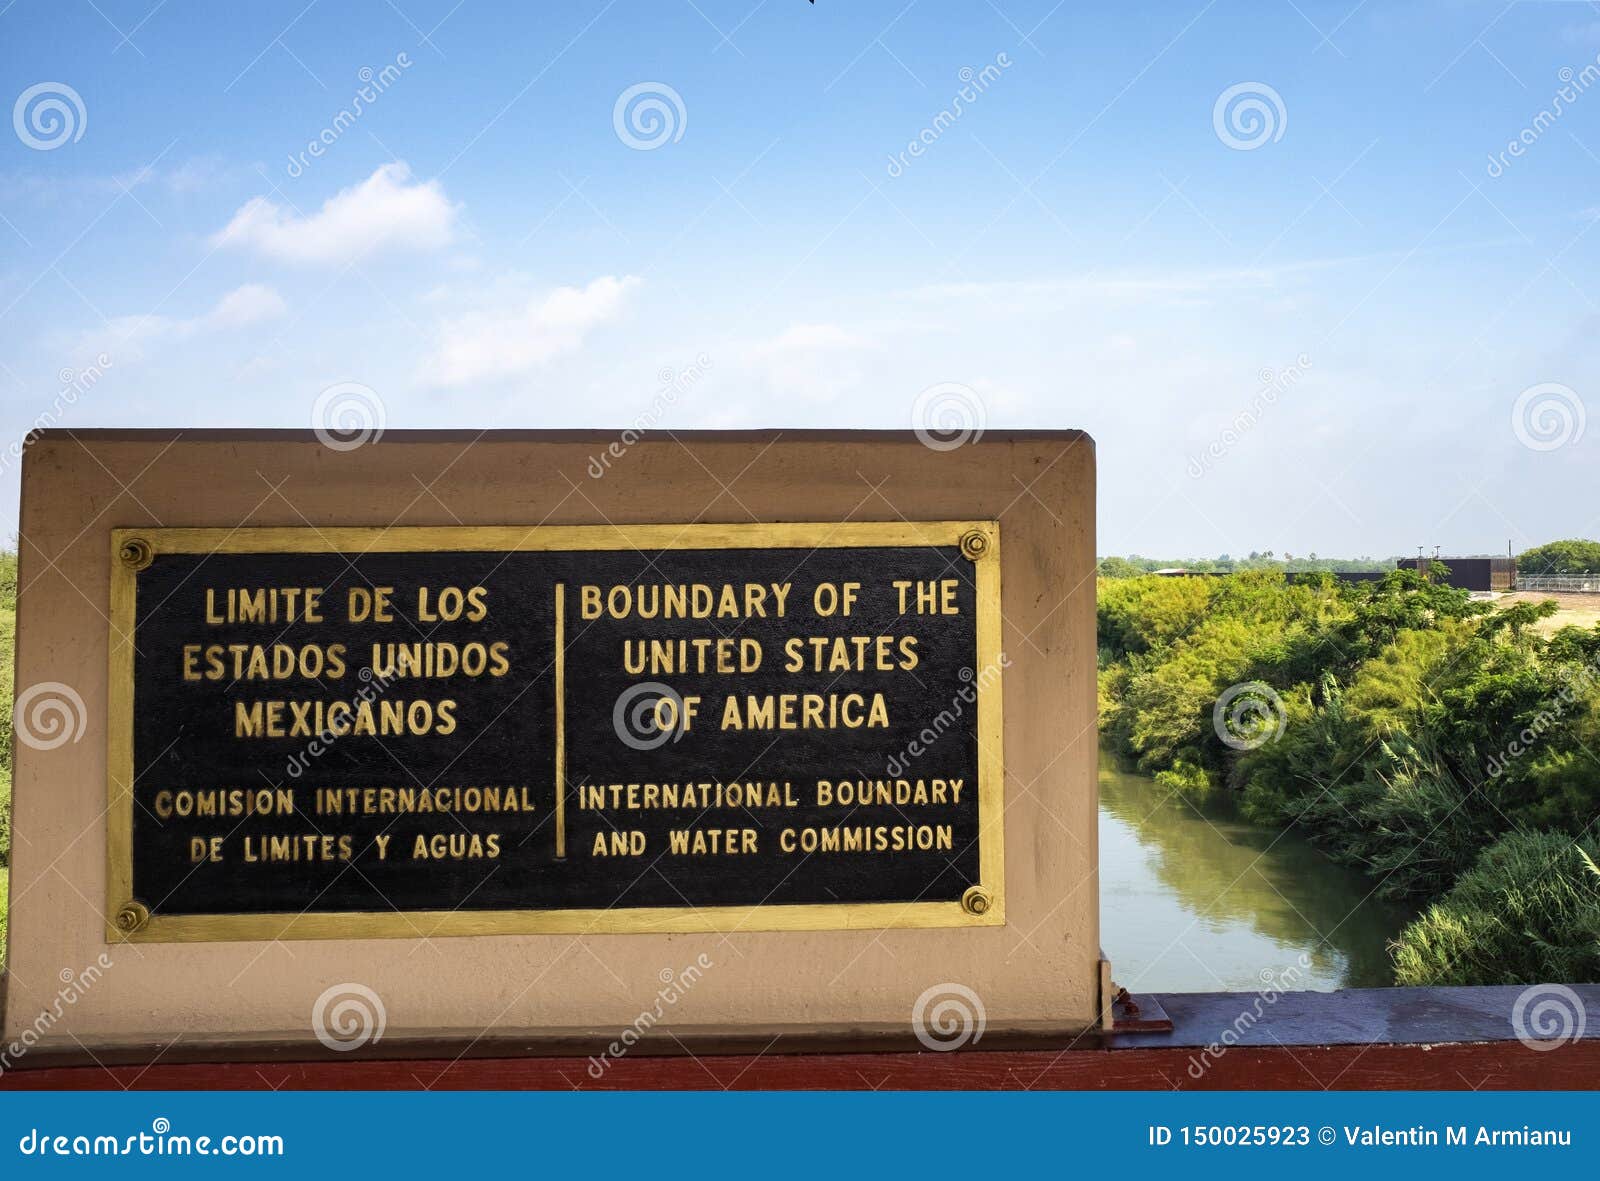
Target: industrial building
[(1473, 574)]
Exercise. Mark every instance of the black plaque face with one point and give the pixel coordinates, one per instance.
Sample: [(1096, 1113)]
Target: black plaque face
[(486, 730)]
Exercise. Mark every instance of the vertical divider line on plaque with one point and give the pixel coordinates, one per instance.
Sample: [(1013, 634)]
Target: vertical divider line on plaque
[(561, 721)]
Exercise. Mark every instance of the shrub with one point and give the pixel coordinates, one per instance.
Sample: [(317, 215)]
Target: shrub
[(1170, 699), (1527, 911), (1418, 825), (1185, 776), (1139, 614)]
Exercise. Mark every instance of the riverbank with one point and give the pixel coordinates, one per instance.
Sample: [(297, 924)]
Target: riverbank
[(1436, 745), (1194, 898)]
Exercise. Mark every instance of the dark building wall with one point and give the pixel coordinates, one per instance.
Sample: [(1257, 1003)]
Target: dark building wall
[(1475, 574), (1338, 575)]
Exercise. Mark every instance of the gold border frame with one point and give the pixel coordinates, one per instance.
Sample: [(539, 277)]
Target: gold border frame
[(127, 919)]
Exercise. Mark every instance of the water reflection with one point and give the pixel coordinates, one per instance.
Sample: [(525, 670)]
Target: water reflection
[(1192, 899)]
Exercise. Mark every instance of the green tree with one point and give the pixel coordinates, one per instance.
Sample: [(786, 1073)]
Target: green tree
[(1573, 556), (1422, 732), (1120, 568)]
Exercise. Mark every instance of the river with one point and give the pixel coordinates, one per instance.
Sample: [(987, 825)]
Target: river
[(1193, 899)]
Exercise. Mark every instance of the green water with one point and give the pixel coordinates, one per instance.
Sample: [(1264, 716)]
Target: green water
[(1192, 899)]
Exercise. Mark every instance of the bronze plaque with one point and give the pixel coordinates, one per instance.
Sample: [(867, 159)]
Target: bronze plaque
[(348, 732)]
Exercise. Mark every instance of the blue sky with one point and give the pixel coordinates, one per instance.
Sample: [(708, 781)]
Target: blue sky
[(1345, 327)]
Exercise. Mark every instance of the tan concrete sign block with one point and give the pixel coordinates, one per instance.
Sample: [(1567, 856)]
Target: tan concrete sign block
[(474, 734)]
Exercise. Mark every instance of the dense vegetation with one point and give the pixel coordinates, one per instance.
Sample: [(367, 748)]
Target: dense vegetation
[(1133, 565), (1440, 744), (1561, 557)]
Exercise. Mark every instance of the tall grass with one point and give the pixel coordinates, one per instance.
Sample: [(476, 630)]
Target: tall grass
[(1527, 911)]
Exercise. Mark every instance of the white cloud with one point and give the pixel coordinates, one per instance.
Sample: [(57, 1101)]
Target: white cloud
[(191, 176), (486, 345), (126, 337), (244, 305), (194, 175), (387, 210)]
